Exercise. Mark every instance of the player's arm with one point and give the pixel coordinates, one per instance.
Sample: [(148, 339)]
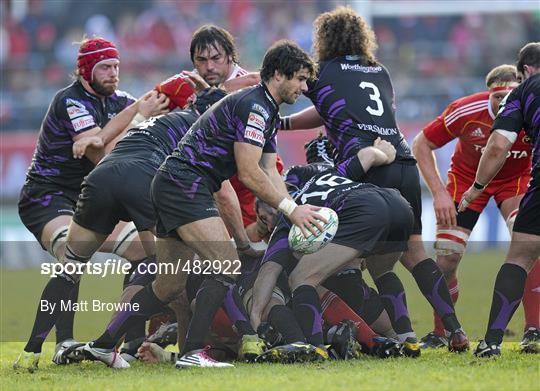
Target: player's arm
[(241, 82), (150, 104), (355, 168), (382, 152), (445, 209), (268, 165), (494, 156), (253, 177), (506, 127), (308, 118), (491, 162), (229, 209), (262, 290)]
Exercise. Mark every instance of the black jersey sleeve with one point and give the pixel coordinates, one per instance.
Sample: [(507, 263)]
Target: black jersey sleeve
[(351, 168), (252, 126), (510, 115)]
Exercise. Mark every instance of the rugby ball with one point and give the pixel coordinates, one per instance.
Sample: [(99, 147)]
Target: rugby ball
[(311, 244)]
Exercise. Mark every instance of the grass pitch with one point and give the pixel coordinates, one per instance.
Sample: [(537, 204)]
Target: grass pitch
[(438, 370)]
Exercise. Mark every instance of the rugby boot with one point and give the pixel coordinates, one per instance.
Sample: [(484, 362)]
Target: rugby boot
[(531, 341)]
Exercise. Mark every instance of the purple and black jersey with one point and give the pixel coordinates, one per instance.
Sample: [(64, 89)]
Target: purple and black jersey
[(154, 139), (72, 112), (357, 104), (321, 184), (318, 184), (247, 116), (521, 110)]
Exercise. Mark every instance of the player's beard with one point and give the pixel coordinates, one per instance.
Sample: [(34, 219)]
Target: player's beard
[(103, 89), (288, 96)]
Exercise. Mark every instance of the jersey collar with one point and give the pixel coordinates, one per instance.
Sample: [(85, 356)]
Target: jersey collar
[(269, 96)]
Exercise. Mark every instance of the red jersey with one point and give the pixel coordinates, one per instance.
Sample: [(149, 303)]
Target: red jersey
[(247, 198), (470, 120)]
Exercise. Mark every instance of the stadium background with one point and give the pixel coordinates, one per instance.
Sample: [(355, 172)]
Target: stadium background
[(436, 51)]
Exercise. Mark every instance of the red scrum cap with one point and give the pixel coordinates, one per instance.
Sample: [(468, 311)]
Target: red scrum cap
[(91, 53), (177, 89)]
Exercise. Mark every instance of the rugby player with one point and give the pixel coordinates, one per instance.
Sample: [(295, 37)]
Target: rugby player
[(215, 59), (91, 105), (119, 189), (236, 135), (519, 110), (469, 119), (354, 99), (357, 235)]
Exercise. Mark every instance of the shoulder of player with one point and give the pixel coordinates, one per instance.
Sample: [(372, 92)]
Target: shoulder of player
[(186, 117), (75, 100), (253, 99), (468, 105), (123, 95)]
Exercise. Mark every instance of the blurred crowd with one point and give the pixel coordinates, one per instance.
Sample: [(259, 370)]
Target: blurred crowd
[(432, 59)]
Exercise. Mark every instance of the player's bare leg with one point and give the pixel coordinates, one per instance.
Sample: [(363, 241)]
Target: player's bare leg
[(450, 250), (210, 240)]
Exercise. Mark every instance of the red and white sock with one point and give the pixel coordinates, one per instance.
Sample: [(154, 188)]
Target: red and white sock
[(531, 297)]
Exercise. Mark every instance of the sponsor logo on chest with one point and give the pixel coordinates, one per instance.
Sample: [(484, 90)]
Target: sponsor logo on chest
[(510, 154), (477, 133)]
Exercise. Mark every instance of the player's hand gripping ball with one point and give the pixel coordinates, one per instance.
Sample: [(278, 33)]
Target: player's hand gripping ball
[(311, 244)]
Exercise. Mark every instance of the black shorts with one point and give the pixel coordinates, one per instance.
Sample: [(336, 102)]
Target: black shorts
[(114, 191), (180, 199), (404, 177), (374, 221), (528, 217), (40, 203)]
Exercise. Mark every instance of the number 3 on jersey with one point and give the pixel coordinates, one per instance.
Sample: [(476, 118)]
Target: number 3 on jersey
[(379, 110)]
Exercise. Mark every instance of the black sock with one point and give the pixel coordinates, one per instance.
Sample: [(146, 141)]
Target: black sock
[(144, 278), (148, 305), (139, 329), (507, 295), (393, 297), (433, 286), (349, 287), (209, 298), (234, 307), (56, 292), (283, 321), (307, 310), (353, 290), (64, 324)]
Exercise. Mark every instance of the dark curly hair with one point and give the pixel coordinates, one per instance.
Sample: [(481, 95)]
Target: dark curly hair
[(287, 58), (208, 36), (342, 32)]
